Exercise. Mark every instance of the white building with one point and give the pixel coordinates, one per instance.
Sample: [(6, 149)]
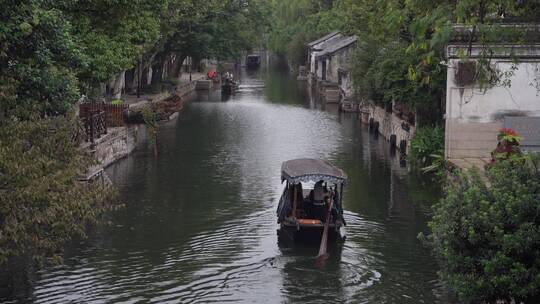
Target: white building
[(333, 62), (317, 46), (328, 65), (474, 115)]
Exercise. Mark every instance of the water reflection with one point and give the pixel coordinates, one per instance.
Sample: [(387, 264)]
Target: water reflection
[(200, 223)]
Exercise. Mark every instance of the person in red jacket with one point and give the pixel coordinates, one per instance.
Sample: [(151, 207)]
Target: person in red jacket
[(211, 74)]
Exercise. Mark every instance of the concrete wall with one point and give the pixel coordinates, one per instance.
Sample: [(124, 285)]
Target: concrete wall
[(474, 116)]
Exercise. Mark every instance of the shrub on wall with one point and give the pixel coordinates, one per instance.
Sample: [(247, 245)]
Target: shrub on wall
[(486, 233)]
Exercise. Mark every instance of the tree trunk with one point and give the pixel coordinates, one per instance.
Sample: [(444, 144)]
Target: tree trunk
[(196, 64), (131, 80), (117, 85), (178, 63), (157, 69), (147, 70)]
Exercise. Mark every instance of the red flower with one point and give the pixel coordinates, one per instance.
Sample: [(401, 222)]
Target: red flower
[(507, 131)]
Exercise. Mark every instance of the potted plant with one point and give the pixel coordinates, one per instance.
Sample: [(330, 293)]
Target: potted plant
[(508, 144)]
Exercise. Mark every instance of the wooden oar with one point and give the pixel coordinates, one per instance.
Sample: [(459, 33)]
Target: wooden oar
[(322, 250)]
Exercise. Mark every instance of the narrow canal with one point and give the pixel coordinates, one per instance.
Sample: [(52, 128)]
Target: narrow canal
[(199, 224)]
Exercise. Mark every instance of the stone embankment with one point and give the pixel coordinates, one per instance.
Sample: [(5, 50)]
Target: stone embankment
[(396, 130), (115, 145), (119, 142), (165, 105)]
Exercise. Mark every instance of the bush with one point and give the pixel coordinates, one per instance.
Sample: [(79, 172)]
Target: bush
[(486, 232), (427, 149)]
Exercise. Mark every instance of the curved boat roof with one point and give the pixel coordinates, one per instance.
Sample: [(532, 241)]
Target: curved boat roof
[(306, 169)]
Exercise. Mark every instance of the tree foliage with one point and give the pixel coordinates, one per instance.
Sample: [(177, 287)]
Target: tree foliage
[(37, 56), (298, 22), (42, 204), (401, 43), (486, 233), (51, 52)]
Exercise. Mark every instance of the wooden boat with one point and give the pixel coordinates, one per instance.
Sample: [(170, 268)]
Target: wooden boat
[(253, 61), (229, 86), (302, 209)]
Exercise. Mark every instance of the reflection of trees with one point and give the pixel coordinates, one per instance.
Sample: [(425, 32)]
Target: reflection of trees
[(16, 276), (282, 88)]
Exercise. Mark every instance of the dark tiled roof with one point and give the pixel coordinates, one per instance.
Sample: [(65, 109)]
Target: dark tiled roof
[(338, 45), (322, 39), (303, 169), (503, 33)]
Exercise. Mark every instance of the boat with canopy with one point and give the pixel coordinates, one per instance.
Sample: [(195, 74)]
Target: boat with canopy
[(312, 198)]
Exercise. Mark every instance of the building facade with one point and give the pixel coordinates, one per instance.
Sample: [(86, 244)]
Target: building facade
[(333, 64), (476, 113)]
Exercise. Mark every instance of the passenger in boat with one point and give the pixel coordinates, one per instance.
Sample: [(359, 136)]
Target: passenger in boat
[(316, 204), (318, 193)]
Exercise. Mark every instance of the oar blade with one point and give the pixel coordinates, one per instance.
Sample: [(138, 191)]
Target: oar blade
[(320, 260)]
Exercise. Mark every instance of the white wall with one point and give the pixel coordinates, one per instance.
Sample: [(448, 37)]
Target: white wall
[(474, 116), (320, 46), (341, 60), (471, 104)]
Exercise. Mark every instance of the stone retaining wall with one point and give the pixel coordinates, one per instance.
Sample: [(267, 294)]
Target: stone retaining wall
[(389, 124), (117, 144)]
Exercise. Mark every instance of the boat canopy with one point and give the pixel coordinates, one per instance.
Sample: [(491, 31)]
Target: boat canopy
[(311, 170)]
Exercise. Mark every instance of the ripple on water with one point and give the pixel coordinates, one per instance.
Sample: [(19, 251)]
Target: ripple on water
[(200, 226)]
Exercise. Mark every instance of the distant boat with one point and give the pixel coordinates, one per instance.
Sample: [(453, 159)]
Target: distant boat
[(228, 86), (302, 212), (253, 61)]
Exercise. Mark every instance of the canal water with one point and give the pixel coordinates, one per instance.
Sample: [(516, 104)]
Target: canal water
[(199, 222)]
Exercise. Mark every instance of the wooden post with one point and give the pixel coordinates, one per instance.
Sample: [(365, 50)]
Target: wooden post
[(92, 128), (294, 200)]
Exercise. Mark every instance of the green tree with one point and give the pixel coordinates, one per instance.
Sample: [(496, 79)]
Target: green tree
[(486, 233), (403, 42), (298, 22), (51, 52), (42, 203), (38, 59), (113, 34)]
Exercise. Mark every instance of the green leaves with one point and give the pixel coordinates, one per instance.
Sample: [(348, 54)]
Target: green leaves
[(296, 23), (486, 233), (42, 205), (415, 32)]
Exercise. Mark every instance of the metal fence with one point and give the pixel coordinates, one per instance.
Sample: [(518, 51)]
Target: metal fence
[(95, 125), (114, 113), (97, 116)]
